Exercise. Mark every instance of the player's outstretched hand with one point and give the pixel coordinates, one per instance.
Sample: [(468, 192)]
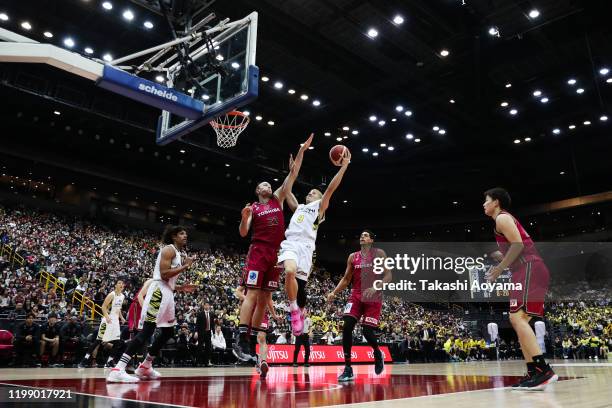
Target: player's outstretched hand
[(246, 211), (330, 297), (307, 143), (346, 158)]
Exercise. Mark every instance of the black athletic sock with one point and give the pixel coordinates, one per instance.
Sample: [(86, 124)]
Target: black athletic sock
[(531, 368), (243, 330), (539, 362)]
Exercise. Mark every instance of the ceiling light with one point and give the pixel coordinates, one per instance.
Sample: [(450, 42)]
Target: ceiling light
[(528, 139), (48, 34), (579, 91), (227, 164), (452, 101), (561, 172), (258, 117), (327, 134), (339, 139), (508, 85), (403, 206), (587, 122), (375, 154), (57, 113), (494, 31), (537, 92), (604, 71), (304, 97), (107, 57), (398, 20), (128, 15), (265, 79), (346, 128), (69, 42), (271, 122), (372, 33), (383, 145), (409, 136), (571, 127), (291, 91), (603, 118), (381, 123), (4, 17), (517, 141), (355, 132), (535, 13), (544, 100), (26, 25), (442, 132), (436, 128), (556, 131), (609, 80), (365, 150), (394, 120), (408, 113), (182, 151), (316, 102), (219, 57), (444, 53), (278, 85), (504, 104), (513, 111), (148, 25), (399, 108), (205, 97), (107, 5), (89, 50), (235, 65), (571, 81), (373, 118), (391, 148), (417, 140), (246, 113)]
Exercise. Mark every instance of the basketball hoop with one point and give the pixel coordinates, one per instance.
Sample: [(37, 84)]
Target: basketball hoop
[(228, 127)]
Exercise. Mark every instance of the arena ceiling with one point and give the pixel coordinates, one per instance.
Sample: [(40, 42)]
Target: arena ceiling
[(502, 59)]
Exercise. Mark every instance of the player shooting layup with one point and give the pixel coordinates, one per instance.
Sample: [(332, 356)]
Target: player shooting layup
[(299, 245)]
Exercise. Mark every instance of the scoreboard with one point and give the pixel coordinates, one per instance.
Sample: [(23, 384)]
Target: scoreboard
[(478, 275)]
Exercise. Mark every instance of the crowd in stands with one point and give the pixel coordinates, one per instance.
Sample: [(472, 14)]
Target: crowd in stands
[(89, 258)]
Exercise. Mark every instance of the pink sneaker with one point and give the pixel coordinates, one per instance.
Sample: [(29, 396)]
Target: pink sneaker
[(297, 322)]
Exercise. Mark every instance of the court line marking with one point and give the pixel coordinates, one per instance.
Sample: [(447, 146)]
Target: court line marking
[(104, 396), (582, 365), (408, 399)]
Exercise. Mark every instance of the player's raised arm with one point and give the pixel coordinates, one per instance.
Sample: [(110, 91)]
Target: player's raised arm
[(245, 220), (292, 202), (294, 170), (333, 185), (345, 281)]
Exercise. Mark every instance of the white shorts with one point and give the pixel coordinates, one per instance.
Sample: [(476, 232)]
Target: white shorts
[(158, 306), (299, 252), (109, 331)]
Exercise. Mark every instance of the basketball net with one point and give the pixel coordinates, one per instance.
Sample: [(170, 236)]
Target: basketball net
[(228, 127)]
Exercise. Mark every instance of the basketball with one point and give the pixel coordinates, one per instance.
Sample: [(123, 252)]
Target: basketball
[(336, 153)]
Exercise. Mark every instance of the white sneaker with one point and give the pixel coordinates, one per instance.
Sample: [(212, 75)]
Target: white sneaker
[(120, 376), (146, 373)]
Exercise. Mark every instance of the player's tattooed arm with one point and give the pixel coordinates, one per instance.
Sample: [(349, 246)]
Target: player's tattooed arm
[(294, 169), (333, 185)]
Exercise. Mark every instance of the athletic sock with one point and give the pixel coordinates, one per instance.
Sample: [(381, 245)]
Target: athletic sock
[(148, 361), (531, 368), (123, 362), (539, 362), (293, 305)]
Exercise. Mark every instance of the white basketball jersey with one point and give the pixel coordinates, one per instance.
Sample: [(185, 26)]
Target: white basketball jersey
[(176, 262), (116, 304), (304, 223)]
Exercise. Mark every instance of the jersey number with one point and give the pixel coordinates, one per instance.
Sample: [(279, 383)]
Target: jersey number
[(272, 221)]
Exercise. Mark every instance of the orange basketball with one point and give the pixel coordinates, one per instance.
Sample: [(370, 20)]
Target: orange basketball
[(336, 153)]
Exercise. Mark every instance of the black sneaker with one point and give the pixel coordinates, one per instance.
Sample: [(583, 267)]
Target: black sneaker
[(83, 364), (242, 350), (539, 380), (379, 363), (109, 364), (520, 382), (347, 375)]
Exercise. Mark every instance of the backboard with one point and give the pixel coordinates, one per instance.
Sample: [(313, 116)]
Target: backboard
[(224, 79)]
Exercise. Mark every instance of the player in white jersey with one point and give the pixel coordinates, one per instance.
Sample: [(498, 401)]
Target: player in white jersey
[(158, 306), (110, 329), (299, 244)]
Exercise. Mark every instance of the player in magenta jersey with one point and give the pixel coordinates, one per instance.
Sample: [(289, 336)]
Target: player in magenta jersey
[(518, 252)]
